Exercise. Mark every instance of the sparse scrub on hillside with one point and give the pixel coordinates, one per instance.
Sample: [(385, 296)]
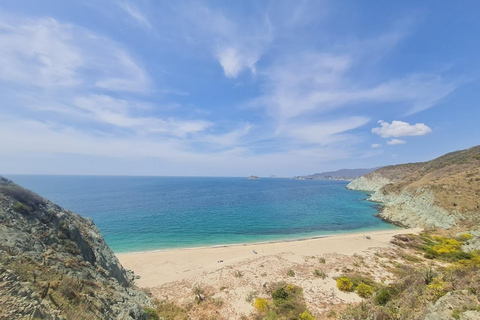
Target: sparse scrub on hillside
[(418, 286), (345, 284), (285, 301), (320, 274)]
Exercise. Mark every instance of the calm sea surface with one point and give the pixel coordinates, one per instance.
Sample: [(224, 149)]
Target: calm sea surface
[(147, 213)]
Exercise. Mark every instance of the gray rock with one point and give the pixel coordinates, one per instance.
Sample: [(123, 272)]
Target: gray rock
[(37, 232)]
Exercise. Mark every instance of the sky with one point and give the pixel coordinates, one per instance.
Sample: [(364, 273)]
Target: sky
[(234, 88)]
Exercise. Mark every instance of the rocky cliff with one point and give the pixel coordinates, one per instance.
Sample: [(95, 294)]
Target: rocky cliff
[(444, 192), (54, 264)]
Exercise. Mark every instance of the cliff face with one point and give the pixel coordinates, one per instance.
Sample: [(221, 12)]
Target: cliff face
[(54, 264), (444, 192)]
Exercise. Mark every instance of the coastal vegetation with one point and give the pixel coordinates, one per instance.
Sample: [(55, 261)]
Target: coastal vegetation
[(447, 276), (284, 301)]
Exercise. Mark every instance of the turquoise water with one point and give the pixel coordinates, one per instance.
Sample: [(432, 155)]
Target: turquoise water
[(147, 213)]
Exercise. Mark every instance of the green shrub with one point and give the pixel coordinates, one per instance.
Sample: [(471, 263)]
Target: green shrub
[(345, 284), (383, 296), (151, 314), (291, 273), (320, 274), (364, 290), (22, 208), (169, 310), (279, 294)]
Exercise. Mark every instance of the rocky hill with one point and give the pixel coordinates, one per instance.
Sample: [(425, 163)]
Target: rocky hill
[(444, 192), (54, 264)]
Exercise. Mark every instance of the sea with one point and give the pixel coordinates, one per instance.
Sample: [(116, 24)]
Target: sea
[(137, 214)]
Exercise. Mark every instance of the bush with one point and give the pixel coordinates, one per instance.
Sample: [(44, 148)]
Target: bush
[(169, 310), (291, 273), (305, 315), (345, 284), (320, 274), (447, 246), (383, 296), (21, 208), (364, 290), (260, 304), (465, 237), (151, 314), (279, 294), (437, 288)]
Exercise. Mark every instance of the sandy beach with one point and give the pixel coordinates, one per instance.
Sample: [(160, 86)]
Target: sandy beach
[(231, 273)]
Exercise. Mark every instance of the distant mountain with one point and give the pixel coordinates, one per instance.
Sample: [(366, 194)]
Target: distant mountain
[(342, 174)]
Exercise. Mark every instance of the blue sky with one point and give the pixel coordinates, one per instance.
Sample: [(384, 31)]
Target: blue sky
[(233, 88)]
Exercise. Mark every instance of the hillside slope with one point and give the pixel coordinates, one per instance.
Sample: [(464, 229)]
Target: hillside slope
[(342, 174), (54, 264), (443, 192)]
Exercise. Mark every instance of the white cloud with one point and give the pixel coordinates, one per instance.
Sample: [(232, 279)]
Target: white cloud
[(375, 145), (321, 133), (135, 13), (120, 113), (39, 53), (44, 53), (233, 61), (236, 43), (395, 141), (400, 129), (318, 83)]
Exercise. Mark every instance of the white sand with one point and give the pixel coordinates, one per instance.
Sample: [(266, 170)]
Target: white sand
[(157, 268)]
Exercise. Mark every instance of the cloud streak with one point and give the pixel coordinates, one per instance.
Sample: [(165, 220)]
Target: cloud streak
[(135, 13)]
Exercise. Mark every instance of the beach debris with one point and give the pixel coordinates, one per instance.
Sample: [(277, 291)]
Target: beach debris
[(220, 261), (255, 252), (368, 237)]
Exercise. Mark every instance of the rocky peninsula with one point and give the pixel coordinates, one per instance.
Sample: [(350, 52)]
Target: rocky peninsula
[(54, 264), (441, 193)]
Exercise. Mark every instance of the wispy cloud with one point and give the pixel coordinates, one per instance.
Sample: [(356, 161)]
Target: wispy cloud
[(395, 142), (237, 44), (49, 54), (134, 12), (321, 82), (321, 133), (308, 91)]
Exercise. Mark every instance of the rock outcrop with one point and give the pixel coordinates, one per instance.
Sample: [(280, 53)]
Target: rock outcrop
[(54, 264), (444, 192)]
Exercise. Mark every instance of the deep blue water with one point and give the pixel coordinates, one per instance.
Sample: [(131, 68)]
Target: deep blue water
[(147, 213)]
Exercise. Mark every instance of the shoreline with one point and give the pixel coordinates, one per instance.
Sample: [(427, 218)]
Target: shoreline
[(158, 268), (287, 240)]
